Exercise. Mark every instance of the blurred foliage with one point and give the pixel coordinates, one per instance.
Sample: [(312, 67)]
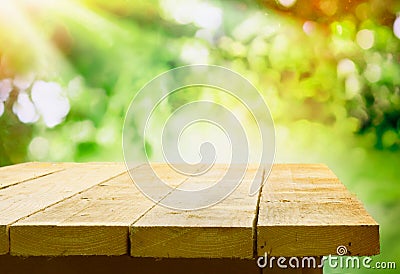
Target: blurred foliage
[(331, 61), (328, 69)]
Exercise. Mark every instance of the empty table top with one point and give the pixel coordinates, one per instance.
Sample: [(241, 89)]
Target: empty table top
[(60, 209)]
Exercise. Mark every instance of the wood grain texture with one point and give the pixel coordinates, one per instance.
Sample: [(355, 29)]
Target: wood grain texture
[(224, 230), (305, 211), (26, 198), (15, 174), (95, 209), (93, 222)]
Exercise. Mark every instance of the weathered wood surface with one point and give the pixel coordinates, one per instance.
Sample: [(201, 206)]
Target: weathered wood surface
[(93, 222), (305, 211), (15, 174), (224, 230), (95, 209), (26, 198)]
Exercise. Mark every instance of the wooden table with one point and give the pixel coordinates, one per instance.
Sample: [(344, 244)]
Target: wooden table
[(73, 218)]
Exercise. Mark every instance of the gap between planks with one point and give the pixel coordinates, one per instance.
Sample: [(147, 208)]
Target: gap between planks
[(158, 202), (284, 193), (20, 173), (255, 221), (93, 222), (224, 230), (29, 197)]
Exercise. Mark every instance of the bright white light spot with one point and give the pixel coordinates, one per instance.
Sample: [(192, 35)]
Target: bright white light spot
[(256, 25), (396, 27), (353, 86), (1, 108), (373, 73), (24, 108), (200, 13), (50, 102), (202, 132), (309, 27), (365, 39), (194, 53), (207, 16), (206, 35), (287, 3), (345, 67), (39, 148), (180, 11), (23, 82), (5, 89)]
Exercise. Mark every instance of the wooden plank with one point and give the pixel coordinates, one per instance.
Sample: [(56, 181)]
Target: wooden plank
[(224, 230), (26, 198), (95, 209), (93, 222), (15, 174), (123, 265), (305, 211)]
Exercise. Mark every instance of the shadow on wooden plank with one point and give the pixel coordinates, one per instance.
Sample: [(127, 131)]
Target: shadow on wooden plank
[(123, 264), (126, 264)]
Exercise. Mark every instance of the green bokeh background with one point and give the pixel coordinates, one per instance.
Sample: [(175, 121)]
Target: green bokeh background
[(334, 98)]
